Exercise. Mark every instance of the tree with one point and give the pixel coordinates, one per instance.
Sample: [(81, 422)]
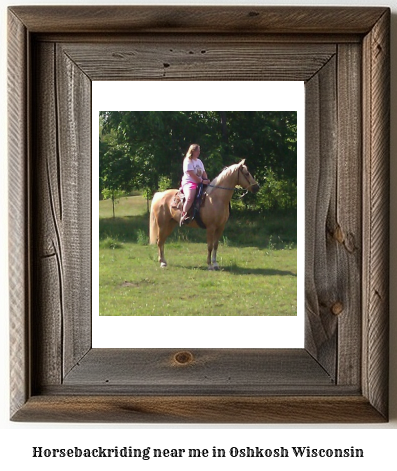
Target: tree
[(138, 147)]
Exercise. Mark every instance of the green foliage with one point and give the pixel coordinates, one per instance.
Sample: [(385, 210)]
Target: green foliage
[(164, 183), (145, 150), (277, 193), (110, 243), (142, 238), (114, 195), (148, 193)]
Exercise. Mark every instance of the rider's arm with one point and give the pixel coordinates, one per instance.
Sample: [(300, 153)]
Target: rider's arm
[(194, 176)]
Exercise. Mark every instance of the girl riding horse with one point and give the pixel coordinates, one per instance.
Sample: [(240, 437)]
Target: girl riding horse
[(193, 174), (214, 213)]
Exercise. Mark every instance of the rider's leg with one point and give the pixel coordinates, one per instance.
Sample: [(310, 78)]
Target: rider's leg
[(189, 198)]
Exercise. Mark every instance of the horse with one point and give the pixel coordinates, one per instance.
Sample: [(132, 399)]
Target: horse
[(214, 212)]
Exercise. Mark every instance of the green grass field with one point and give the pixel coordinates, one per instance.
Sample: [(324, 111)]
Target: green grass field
[(257, 258)]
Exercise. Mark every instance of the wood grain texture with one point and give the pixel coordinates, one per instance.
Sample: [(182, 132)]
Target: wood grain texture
[(176, 38), (62, 259), (199, 409), (346, 229), (19, 224), (376, 91), (197, 19), (154, 370), (47, 261), (321, 262), (216, 59), (341, 375), (74, 109), (333, 215)]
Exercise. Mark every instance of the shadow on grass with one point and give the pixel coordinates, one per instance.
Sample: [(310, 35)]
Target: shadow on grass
[(234, 270), (257, 271)]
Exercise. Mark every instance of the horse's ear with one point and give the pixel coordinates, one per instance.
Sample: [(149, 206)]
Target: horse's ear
[(242, 163)]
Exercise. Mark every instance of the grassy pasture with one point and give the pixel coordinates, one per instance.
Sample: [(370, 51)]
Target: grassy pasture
[(257, 257)]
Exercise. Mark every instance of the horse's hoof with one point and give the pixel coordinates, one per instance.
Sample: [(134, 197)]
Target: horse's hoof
[(213, 267), (163, 264)]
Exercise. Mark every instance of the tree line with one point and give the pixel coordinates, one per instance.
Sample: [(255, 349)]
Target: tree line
[(145, 150)]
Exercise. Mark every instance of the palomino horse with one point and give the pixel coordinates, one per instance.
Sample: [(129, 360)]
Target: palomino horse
[(214, 212)]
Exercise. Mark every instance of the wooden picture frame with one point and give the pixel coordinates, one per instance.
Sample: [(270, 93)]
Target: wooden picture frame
[(342, 54)]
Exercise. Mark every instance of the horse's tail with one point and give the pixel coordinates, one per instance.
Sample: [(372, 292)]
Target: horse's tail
[(153, 226)]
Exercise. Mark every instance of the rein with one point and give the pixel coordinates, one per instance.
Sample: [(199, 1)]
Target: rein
[(235, 189)]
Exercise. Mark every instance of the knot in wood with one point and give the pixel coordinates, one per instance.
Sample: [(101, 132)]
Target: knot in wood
[(338, 235), (337, 308), (183, 358)]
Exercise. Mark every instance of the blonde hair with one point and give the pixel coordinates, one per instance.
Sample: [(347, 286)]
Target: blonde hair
[(191, 149)]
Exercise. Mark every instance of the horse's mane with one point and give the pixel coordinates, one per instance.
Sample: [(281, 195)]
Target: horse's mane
[(221, 177)]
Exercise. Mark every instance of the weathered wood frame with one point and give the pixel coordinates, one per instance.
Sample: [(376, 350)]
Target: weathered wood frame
[(343, 56)]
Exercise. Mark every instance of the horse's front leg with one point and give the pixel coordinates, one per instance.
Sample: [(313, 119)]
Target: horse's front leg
[(212, 247), (217, 235), (214, 263)]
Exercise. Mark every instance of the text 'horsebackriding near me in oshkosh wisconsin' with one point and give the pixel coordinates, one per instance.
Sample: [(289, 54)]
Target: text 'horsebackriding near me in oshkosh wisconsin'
[(167, 207)]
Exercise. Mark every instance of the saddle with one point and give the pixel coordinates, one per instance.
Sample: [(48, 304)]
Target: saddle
[(194, 211)]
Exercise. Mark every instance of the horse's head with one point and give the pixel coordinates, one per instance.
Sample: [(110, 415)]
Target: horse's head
[(245, 179)]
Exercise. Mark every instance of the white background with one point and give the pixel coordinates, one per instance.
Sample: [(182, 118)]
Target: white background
[(16, 441), (199, 331)]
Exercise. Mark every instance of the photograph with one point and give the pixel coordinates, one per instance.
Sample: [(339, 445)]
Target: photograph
[(186, 193)]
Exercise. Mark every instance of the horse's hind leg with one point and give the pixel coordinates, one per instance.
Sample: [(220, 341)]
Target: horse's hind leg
[(160, 247), (164, 232)]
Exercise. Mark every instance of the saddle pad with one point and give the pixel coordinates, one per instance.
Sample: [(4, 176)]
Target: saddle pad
[(178, 200)]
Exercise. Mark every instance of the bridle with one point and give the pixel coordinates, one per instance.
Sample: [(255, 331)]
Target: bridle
[(238, 180), (246, 178)]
